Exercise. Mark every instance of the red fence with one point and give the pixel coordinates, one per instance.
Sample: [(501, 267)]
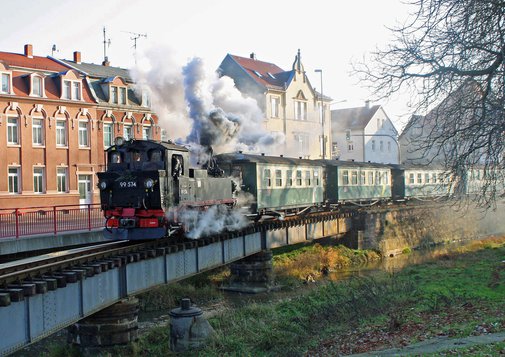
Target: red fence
[(50, 219)]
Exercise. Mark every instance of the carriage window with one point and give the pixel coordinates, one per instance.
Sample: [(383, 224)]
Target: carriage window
[(298, 177), (345, 177), (354, 177), (434, 178), (378, 178), (427, 178), (316, 177), (370, 177), (177, 165), (278, 178), (386, 178), (267, 177), (419, 178), (289, 178), (307, 178), (155, 155), (362, 178), (411, 178)]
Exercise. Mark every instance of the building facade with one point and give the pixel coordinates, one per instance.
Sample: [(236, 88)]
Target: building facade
[(289, 102), (53, 131), (364, 134)]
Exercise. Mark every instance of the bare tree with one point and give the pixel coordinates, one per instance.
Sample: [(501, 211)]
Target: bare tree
[(449, 58)]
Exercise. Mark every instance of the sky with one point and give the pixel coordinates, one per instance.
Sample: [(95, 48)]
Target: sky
[(331, 34)]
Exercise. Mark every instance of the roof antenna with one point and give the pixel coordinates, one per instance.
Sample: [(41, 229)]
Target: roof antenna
[(134, 38), (106, 44)]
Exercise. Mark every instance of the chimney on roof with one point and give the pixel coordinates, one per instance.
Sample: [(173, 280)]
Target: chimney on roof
[(367, 104), (29, 51), (252, 56), (77, 57), (106, 62)]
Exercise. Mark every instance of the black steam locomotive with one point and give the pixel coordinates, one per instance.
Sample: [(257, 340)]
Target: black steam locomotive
[(147, 184)]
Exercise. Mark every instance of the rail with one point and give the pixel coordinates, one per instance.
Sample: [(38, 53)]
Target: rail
[(19, 222)]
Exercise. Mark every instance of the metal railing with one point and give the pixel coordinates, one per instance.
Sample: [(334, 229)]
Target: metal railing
[(19, 222)]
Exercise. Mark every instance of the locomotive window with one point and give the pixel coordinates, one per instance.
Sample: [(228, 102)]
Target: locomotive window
[(298, 177), (370, 177), (115, 158), (307, 178), (136, 156), (289, 178), (419, 178), (354, 177), (278, 178), (345, 177), (155, 155), (267, 177), (177, 166)]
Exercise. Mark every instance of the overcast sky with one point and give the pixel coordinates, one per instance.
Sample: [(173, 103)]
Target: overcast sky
[(330, 34)]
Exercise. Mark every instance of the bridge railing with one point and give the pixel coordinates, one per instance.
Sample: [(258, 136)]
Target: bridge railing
[(28, 221)]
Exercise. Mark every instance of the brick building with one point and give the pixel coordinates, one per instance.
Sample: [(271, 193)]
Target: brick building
[(54, 127)]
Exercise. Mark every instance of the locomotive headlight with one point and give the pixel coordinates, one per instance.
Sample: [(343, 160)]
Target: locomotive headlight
[(102, 185), (119, 141), (149, 183)]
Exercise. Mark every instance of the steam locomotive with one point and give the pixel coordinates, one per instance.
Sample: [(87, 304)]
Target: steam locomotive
[(148, 184)]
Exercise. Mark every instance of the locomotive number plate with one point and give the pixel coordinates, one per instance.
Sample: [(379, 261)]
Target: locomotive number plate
[(127, 184)]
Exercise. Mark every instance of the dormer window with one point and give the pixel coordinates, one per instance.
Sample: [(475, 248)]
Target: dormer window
[(122, 95), (67, 90), (76, 90), (6, 83), (71, 86), (146, 99), (113, 94), (37, 86)]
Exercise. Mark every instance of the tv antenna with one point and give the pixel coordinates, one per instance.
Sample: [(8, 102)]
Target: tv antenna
[(135, 37), (106, 44)]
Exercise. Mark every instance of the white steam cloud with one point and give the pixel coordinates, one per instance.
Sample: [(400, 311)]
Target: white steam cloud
[(216, 219), (197, 108)]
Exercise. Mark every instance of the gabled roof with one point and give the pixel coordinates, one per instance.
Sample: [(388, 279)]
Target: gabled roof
[(36, 62), (270, 75), (100, 71), (353, 118)]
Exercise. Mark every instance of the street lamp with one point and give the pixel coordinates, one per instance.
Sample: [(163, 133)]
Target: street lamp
[(320, 71)]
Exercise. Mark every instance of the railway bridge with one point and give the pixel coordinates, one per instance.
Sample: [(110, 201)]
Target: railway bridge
[(43, 296)]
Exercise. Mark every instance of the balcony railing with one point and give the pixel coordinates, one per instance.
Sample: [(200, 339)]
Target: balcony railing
[(19, 222)]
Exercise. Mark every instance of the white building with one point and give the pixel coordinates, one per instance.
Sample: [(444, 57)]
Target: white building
[(364, 134)]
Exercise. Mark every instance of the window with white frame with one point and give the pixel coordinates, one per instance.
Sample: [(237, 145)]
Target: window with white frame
[(12, 130), (61, 179), (76, 90), (37, 87), (14, 180), (6, 83), (419, 178), (307, 178), (316, 177), (411, 178), (298, 177), (354, 177), (113, 94), (38, 131), (146, 132), (128, 131), (122, 95), (362, 178), (146, 99), (108, 135), (302, 141), (83, 134), (38, 180), (350, 146), (289, 178), (61, 133), (275, 104), (300, 110), (67, 90), (345, 177), (370, 178)]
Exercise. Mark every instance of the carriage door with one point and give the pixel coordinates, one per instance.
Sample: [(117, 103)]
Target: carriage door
[(85, 196)]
